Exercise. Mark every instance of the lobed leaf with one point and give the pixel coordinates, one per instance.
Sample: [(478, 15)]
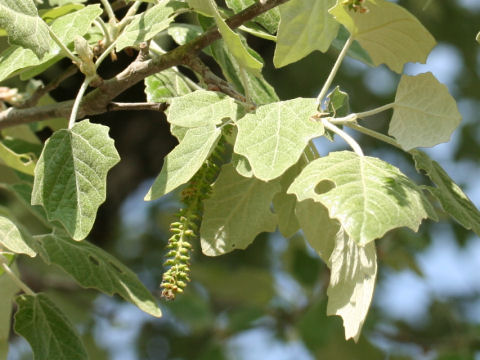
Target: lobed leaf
[(24, 27), (369, 196), (236, 212), (274, 137), (45, 327), (70, 177), (93, 267), (12, 239), (305, 26), (453, 199), (201, 108), (182, 163), (425, 114), (390, 34)]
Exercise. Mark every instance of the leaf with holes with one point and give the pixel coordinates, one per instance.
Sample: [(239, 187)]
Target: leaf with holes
[(305, 26), (274, 137), (12, 239), (424, 114), (352, 282), (453, 199), (23, 25), (20, 162), (201, 108), (48, 331), (181, 164), (369, 196), (93, 267), (70, 177), (236, 212), (389, 33)]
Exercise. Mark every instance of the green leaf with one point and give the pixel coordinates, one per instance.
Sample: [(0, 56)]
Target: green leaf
[(51, 14), (201, 108), (24, 163), (180, 165), (369, 196), (183, 33), (305, 26), (355, 51), (453, 199), (274, 137), (478, 38), (389, 33), (23, 25), (49, 332), (93, 267), (16, 59), (165, 85), (70, 177), (338, 104), (425, 114), (8, 289), (352, 281), (240, 163), (236, 212), (269, 20), (12, 239), (146, 25)]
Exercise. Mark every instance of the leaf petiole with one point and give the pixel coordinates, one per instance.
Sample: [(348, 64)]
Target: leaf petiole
[(14, 277), (348, 139), (78, 100)]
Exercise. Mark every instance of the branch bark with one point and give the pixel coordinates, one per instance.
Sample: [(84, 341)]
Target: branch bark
[(97, 101)]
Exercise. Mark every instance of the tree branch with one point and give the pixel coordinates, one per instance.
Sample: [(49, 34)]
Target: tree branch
[(97, 101)]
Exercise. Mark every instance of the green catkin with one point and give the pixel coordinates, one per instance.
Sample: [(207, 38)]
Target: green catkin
[(185, 229)]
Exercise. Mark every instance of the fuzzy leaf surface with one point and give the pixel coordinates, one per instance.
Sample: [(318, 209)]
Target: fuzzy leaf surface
[(146, 25), (390, 34), (201, 108), (236, 212), (16, 59), (181, 164), (453, 199), (269, 20), (369, 196), (165, 85), (93, 267), (352, 282), (425, 114), (12, 239), (274, 137), (305, 26), (70, 177), (23, 25), (8, 289), (46, 328)]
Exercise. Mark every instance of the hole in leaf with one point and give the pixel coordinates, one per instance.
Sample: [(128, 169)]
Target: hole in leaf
[(94, 261), (117, 269), (324, 186)]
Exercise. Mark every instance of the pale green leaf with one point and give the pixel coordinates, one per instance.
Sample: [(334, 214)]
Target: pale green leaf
[(305, 26), (389, 33), (319, 230), (70, 177), (165, 85), (181, 164), (201, 108), (240, 163), (269, 20), (48, 331), (51, 14), (202, 6), (274, 137), (16, 59), (12, 239), (425, 114), (8, 289), (478, 37), (23, 25), (369, 196), (146, 25), (183, 33), (93, 267), (236, 212), (355, 51), (453, 199), (352, 282), (24, 163)]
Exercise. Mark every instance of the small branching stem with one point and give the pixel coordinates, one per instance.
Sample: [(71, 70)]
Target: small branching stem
[(374, 134), (76, 104), (348, 139), (352, 118), (14, 277), (334, 71), (109, 10), (65, 49)]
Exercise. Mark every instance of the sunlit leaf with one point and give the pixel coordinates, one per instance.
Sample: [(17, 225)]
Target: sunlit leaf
[(70, 177), (236, 212), (425, 114), (165, 85), (12, 239), (389, 33), (20, 162)]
